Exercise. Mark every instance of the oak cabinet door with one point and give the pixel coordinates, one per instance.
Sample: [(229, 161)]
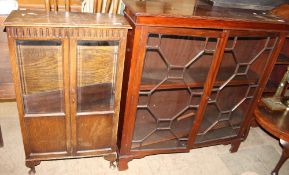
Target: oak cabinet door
[(94, 70), (40, 65)]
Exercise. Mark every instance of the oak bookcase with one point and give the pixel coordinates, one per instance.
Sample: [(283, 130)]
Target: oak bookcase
[(67, 70)]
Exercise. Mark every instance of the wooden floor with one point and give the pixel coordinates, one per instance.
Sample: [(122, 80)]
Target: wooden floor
[(256, 156)]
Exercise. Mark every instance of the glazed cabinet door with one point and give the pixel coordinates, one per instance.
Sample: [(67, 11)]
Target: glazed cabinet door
[(243, 64), (175, 69), (40, 75), (95, 67)]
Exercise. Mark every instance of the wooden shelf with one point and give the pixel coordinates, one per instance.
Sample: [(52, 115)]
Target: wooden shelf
[(221, 133), (53, 102), (196, 79), (97, 97)]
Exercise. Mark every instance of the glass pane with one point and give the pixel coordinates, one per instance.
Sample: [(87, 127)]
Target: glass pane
[(96, 70), (175, 70), (172, 57), (242, 65), (41, 74)]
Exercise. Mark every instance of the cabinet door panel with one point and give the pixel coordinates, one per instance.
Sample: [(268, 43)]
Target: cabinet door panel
[(96, 67), (237, 80), (41, 75), (40, 65), (175, 70), (94, 132), (46, 134)]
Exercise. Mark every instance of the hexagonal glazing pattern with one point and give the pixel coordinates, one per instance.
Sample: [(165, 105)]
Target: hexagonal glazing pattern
[(173, 77), (238, 77)]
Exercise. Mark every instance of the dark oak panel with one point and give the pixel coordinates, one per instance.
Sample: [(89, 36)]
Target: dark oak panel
[(94, 132), (46, 134), (68, 79)]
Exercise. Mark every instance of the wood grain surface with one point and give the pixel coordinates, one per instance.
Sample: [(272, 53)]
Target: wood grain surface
[(7, 91), (65, 19)]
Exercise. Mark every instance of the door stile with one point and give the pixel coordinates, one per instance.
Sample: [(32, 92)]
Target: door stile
[(18, 93), (118, 87), (138, 56), (216, 62), (72, 90), (66, 72)]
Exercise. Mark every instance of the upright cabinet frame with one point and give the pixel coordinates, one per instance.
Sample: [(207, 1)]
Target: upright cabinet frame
[(145, 123), (84, 64)]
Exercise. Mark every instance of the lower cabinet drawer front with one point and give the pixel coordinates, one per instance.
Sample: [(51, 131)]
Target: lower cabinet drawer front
[(94, 132), (46, 134)]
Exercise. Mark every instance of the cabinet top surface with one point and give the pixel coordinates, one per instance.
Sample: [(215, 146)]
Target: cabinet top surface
[(65, 19), (198, 9)]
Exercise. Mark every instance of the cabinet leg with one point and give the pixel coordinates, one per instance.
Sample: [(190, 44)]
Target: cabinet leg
[(283, 158), (32, 171), (235, 146), (31, 165), (122, 164), (112, 159), (1, 139)]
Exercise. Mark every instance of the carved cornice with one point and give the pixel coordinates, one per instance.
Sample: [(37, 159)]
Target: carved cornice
[(39, 32), (51, 32), (97, 33)]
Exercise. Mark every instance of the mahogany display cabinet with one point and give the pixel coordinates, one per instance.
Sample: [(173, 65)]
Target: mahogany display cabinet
[(67, 70), (193, 75)]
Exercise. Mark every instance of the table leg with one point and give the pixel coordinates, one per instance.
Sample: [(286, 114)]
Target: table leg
[(284, 156), (1, 139)]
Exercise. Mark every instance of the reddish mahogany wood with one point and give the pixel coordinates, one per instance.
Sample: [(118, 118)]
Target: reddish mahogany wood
[(200, 15), (1, 138), (276, 123), (183, 18)]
